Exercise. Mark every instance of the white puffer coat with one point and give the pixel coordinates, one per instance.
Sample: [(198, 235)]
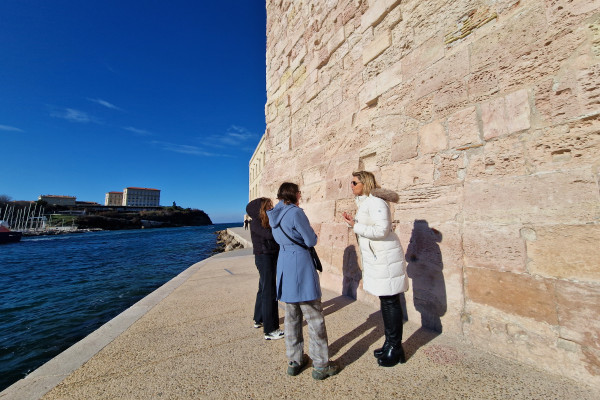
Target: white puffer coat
[(384, 268)]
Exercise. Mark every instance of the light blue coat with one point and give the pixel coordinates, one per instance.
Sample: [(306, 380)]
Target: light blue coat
[(297, 279)]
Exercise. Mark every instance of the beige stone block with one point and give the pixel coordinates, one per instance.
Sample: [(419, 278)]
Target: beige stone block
[(451, 69), (336, 40), (339, 187), (450, 98), (319, 212), (572, 145), (589, 90), (565, 251), (436, 204), (369, 93), (449, 168), (518, 112), (404, 145), (482, 84), (378, 46), (432, 138), (512, 293), (423, 56), (403, 175), (334, 235), (560, 197), (376, 12), (496, 247), (579, 312), (390, 77), (505, 157), (493, 118), (463, 129)]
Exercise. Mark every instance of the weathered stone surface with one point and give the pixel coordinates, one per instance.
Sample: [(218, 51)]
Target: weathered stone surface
[(378, 46), (560, 197), (404, 145), (432, 138), (571, 145), (506, 157), (568, 252), (579, 312), (491, 139), (493, 117), (463, 130), (518, 294), (495, 247)]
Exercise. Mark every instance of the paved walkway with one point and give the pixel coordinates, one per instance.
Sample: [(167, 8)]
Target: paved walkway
[(193, 339)]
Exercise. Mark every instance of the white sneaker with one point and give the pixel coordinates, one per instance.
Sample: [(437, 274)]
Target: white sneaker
[(276, 334), (257, 325)]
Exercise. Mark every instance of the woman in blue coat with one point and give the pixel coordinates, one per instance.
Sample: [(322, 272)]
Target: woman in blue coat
[(298, 285)]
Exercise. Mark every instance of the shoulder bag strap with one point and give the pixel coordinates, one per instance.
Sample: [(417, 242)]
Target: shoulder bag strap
[(293, 241)]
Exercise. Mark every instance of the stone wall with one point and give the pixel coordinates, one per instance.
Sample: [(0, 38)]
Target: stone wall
[(485, 117)]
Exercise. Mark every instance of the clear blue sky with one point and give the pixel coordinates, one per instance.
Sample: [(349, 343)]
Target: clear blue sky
[(99, 95)]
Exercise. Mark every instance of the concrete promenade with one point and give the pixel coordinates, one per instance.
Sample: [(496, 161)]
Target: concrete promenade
[(193, 339)]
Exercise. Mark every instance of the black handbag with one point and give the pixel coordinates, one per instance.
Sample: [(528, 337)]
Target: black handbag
[(311, 251)]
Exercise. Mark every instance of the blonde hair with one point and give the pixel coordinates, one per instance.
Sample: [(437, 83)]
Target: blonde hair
[(265, 204), (368, 181)]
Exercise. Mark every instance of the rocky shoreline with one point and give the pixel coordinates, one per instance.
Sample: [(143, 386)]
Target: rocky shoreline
[(226, 242)]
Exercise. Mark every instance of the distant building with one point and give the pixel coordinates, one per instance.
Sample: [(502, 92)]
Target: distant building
[(257, 163), (113, 199), (141, 197), (58, 200)]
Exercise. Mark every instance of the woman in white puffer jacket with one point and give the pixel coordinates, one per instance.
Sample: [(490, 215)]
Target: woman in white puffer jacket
[(384, 268)]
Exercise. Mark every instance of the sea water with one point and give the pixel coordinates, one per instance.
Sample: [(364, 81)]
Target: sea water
[(55, 290)]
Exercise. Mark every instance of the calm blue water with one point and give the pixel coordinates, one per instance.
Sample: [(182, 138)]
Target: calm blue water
[(55, 290)]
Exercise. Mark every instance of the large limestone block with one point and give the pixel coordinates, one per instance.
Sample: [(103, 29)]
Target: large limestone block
[(579, 313), (436, 204), (497, 247), (572, 145), (565, 251), (404, 145), (432, 138), (404, 175), (561, 197), (505, 157), (450, 168), (463, 129), (519, 294)]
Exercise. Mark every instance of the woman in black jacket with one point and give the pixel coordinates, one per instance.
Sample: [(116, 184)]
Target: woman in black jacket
[(265, 251)]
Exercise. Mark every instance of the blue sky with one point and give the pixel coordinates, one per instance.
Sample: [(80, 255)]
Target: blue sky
[(99, 95)]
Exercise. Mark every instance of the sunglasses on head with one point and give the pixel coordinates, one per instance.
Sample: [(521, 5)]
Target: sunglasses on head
[(354, 183)]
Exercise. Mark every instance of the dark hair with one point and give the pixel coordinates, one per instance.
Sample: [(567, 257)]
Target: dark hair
[(265, 204), (287, 192)]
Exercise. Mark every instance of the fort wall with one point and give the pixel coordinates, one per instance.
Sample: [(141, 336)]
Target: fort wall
[(484, 116)]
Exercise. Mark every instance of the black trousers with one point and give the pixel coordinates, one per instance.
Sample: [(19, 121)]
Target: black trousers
[(265, 307)]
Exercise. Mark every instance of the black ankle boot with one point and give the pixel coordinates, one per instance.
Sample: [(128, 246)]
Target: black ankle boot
[(392, 356), (379, 352)]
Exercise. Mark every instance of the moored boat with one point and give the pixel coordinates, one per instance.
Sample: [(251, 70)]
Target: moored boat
[(8, 236)]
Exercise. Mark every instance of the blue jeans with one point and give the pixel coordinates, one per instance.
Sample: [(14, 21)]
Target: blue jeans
[(265, 307)]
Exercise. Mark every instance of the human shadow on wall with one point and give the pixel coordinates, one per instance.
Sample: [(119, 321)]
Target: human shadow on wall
[(351, 272), (425, 268)]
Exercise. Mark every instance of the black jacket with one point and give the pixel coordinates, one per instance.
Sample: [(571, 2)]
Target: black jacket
[(262, 238)]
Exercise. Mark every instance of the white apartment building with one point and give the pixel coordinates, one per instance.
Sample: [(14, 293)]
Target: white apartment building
[(113, 199), (141, 197)]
